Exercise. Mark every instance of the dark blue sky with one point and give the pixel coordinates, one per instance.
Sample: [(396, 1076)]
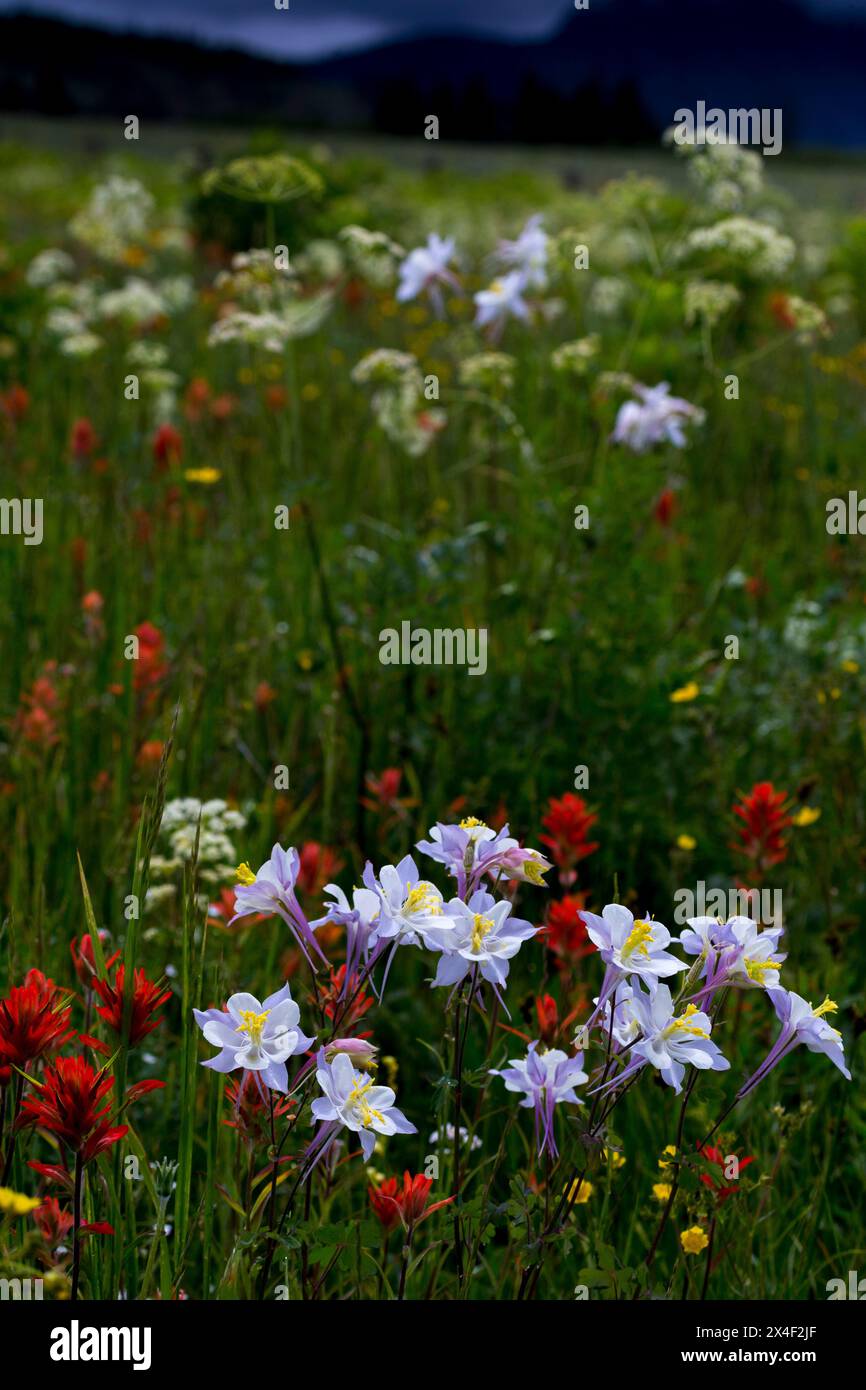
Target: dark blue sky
[(311, 28)]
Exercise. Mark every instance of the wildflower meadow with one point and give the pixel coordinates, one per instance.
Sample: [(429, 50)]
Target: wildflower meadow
[(431, 723)]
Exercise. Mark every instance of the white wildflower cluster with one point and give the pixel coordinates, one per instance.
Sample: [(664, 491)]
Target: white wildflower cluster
[(321, 259), (399, 405), (217, 857), (372, 255), (755, 247), (117, 217), (708, 301), (488, 371), (48, 267), (134, 304), (264, 306), (726, 174), (608, 296), (810, 321), (576, 356)]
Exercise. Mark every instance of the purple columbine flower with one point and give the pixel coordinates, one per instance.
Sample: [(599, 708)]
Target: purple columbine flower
[(471, 849), (668, 1043), (735, 953), (800, 1024), (272, 890), (628, 946), (479, 934), (352, 1101), (256, 1036), (546, 1079), (361, 919)]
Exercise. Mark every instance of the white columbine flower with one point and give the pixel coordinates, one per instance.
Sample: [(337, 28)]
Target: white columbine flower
[(351, 1100), (528, 253), (668, 1043), (656, 418), (426, 268), (256, 1036), (500, 300), (479, 934)]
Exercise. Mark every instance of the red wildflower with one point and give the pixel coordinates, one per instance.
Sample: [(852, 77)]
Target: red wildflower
[(82, 438), (764, 813), (69, 1104), (150, 666), (33, 1020), (264, 695), (83, 958), (568, 821), (251, 1109), (334, 998), (717, 1156), (36, 721), (147, 997), (276, 397), (167, 445), (318, 866), (565, 934), (548, 1018), (54, 1222), (15, 403), (666, 507), (391, 1204), (195, 398), (149, 753)]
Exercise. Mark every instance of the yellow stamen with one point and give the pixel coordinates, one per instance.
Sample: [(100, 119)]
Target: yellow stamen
[(828, 1007), (681, 1025), (757, 969), (636, 941), (533, 871), (470, 823), (357, 1095), (422, 898), (245, 875), (481, 927), (253, 1025)]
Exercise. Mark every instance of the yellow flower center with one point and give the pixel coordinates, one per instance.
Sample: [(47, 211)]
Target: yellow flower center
[(470, 823), (253, 1025), (757, 969), (245, 875), (682, 1025), (828, 1007), (422, 898), (636, 941), (534, 872), (481, 927), (366, 1112)]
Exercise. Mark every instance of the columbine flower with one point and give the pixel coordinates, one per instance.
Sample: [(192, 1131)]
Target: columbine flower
[(426, 268), (409, 904), (479, 934), (359, 919), (735, 952), (528, 252), (629, 946), (501, 299), (801, 1023), (257, 1037), (670, 1044), (657, 417), (352, 1101), (546, 1079), (363, 1054), (409, 1204), (471, 849), (272, 890)]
